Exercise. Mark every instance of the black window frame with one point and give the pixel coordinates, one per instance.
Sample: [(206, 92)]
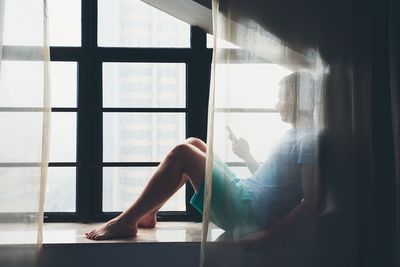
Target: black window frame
[(89, 111)]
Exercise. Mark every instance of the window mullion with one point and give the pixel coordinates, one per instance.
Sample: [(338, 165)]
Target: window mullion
[(89, 119), (198, 74)]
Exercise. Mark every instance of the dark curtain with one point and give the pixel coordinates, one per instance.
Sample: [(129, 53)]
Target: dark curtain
[(360, 149)]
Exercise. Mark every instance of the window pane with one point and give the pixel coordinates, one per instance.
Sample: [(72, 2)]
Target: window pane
[(64, 22), (63, 137), (144, 84), (132, 23), (21, 92), (23, 22), (20, 139), (63, 84), (122, 186), (17, 198), (259, 80), (61, 189), (141, 137)]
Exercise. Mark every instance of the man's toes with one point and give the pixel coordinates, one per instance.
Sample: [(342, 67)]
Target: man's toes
[(92, 235), (100, 237)]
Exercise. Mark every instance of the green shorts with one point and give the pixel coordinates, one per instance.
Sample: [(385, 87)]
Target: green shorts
[(230, 202)]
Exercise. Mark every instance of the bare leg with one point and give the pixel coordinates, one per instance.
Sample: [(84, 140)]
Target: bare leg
[(149, 220), (169, 177)]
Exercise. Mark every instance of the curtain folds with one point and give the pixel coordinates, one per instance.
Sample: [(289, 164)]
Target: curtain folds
[(394, 59), (25, 122), (303, 137)]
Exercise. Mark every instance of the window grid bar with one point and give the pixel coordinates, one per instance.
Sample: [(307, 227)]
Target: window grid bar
[(165, 216), (66, 53), (152, 110), (88, 135), (62, 164), (130, 164), (60, 109), (111, 110), (164, 55), (198, 75), (20, 164)]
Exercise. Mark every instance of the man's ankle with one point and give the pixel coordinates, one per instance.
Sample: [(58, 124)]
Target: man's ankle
[(126, 221)]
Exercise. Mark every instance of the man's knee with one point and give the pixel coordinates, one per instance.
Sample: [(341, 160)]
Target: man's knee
[(180, 150), (197, 143), (193, 141)]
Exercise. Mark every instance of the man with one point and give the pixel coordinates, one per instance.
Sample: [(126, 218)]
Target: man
[(282, 191)]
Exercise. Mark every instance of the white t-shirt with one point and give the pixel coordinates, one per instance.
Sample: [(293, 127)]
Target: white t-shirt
[(276, 186)]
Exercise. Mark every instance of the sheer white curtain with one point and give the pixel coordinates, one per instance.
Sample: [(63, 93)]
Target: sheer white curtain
[(24, 123), (266, 115), (301, 163)]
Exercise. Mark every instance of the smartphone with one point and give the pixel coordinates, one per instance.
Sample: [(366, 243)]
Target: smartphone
[(231, 135)]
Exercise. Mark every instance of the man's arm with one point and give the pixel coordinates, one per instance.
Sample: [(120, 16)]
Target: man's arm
[(308, 208)]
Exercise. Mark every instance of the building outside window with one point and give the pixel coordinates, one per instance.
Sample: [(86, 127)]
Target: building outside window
[(124, 77)]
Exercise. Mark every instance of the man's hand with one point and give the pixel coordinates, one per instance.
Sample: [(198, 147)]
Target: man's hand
[(241, 148)]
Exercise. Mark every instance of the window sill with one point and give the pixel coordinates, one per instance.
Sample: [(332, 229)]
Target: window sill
[(65, 245), (74, 233), (169, 244), (164, 232)]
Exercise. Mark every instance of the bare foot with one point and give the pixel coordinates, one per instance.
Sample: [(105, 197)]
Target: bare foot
[(112, 229), (148, 221)]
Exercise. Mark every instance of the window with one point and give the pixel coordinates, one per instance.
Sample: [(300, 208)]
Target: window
[(128, 83)]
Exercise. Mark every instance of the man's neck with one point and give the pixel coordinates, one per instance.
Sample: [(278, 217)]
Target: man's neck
[(303, 122)]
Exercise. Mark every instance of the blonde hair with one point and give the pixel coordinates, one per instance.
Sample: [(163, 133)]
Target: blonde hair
[(300, 88)]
